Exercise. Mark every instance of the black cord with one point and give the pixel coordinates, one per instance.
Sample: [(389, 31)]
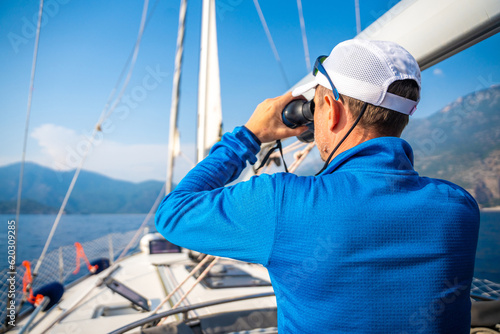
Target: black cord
[(277, 147), (327, 162)]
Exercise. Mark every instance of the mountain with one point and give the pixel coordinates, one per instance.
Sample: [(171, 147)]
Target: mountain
[(461, 143), (44, 190)]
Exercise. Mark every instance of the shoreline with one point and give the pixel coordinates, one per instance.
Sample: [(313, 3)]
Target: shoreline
[(492, 209)]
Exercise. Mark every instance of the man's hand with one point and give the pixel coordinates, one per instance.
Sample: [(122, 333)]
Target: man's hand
[(266, 122)]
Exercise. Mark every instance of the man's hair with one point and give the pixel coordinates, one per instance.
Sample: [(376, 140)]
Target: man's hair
[(384, 121)]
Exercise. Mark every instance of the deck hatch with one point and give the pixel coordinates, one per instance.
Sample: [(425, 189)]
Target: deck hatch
[(162, 247), (227, 276), (128, 293)]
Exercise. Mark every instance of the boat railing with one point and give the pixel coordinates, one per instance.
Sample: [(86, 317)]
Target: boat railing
[(59, 266), (185, 309), (483, 289)]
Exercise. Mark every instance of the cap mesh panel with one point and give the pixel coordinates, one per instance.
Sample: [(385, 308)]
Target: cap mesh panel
[(363, 65)]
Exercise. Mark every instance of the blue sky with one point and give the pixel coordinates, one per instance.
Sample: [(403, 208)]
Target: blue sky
[(85, 44)]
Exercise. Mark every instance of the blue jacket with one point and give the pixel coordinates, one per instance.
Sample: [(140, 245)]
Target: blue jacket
[(368, 246)]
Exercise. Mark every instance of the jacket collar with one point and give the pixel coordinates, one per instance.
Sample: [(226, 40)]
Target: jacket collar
[(378, 154)]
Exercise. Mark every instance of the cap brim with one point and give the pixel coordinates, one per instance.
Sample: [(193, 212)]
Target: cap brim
[(306, 89)]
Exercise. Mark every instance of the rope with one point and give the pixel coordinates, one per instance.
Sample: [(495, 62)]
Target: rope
[(271, 42), (195, 269), (92, 138), (28, 286), (26, 127), (80, 254), (304, 36), (299, 158), (202, 276)]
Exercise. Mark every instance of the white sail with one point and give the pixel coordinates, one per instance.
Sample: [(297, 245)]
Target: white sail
[(209, 101)]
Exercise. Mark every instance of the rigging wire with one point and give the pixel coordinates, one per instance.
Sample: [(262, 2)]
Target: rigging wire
[(26, 130), (141, 228), (132, 64), (358, 17), (28, 112), (115, 265), (271, 42), (304, 36), (92, 138), (127, 63)]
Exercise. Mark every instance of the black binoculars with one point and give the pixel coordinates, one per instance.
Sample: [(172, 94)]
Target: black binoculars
[(298, 113)]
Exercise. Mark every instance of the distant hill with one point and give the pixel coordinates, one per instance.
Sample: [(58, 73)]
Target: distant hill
[(461, 143), (44, 190)]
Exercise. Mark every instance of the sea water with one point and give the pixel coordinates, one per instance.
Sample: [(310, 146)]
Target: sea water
[(488, 247), (33, 230)]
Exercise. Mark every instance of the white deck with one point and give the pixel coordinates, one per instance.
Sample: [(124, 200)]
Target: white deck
[(152, 276)]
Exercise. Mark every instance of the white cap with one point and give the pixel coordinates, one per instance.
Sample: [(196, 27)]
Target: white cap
[(364, 69)]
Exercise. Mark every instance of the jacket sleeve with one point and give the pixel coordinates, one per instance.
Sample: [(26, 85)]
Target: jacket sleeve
[(236, 221)]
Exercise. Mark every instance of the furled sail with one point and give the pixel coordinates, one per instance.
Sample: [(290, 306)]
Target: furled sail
[(209, 100)]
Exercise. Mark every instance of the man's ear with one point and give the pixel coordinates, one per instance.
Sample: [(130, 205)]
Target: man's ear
[(333, 111)]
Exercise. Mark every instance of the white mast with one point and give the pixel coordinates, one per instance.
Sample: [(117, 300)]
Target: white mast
[(209, 101), (174, 140)]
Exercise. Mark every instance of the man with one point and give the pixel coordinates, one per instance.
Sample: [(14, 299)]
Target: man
[(367, 246)]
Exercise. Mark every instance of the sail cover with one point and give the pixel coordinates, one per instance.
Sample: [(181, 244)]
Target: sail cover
[(209, 101)]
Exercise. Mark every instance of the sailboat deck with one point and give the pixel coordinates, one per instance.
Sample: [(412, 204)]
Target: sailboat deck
[(153, 277)]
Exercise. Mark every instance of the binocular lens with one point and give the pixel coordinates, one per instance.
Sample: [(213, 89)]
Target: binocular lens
[(298, 113)]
